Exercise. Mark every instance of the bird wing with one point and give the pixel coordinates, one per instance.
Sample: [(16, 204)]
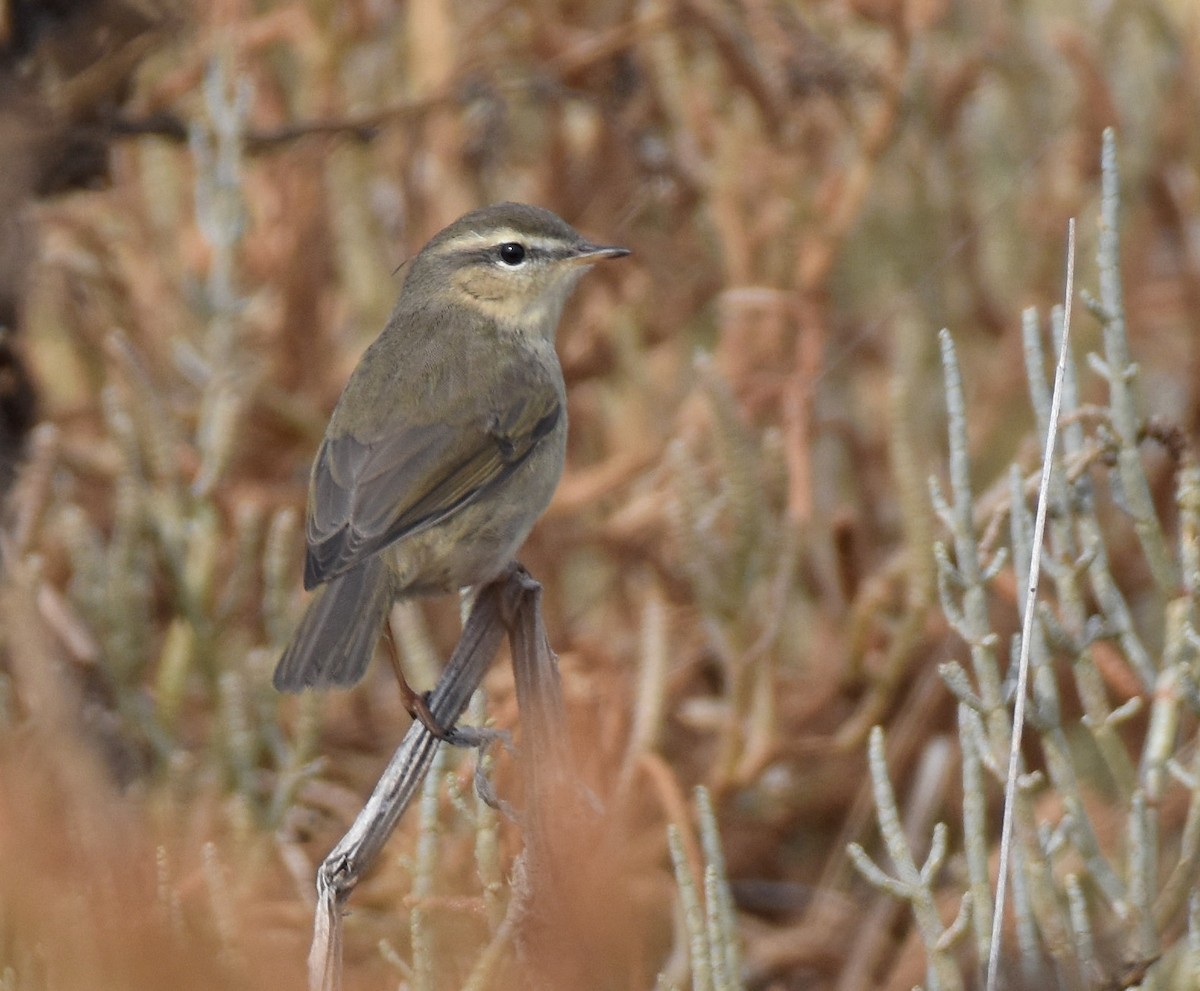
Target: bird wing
[(368, 493)]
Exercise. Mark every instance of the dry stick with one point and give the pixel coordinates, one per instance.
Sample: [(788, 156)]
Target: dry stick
[(539, 691), (1035, 567), (512, 603), (552, 806)]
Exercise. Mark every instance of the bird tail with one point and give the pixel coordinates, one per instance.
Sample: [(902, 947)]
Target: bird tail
[(337, 636)]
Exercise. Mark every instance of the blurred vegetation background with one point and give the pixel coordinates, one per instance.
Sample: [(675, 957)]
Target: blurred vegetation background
[(204, 213)]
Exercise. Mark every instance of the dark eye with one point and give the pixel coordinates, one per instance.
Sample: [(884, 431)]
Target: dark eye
[(512, 253)]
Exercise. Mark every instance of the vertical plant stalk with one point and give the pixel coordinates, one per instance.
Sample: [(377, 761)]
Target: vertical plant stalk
[(1118, 369), (424, 876), (1035, 564), (221, 216), (968, 571), (912, 883)]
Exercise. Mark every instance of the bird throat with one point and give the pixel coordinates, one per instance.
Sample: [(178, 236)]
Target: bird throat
[(536, 318)]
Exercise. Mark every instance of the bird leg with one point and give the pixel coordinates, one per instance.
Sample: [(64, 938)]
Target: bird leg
[(417, 703)]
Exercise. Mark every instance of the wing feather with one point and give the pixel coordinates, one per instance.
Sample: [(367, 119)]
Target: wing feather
[(366, 494)]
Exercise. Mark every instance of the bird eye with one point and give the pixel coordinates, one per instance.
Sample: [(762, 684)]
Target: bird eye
[(512, 253)]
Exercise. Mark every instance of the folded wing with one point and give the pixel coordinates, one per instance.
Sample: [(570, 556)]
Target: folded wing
[(368, 492)]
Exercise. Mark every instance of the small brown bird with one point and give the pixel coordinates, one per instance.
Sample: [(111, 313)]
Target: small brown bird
[(449, 438)]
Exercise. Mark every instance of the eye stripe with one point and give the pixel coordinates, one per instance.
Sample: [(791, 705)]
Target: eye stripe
[(473, 243)]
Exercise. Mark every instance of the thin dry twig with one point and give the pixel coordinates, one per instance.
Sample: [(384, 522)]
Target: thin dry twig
[(511, 603), (1039, 529)]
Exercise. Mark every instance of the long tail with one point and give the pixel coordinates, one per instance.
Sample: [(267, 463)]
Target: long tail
[(338, 634)]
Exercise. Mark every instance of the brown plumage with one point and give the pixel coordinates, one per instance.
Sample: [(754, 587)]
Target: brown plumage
[(449, 438)]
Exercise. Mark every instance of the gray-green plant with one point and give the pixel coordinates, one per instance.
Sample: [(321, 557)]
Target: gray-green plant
[(1103, 890)]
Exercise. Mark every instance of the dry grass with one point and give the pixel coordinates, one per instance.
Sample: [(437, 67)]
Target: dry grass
[(738, 571)]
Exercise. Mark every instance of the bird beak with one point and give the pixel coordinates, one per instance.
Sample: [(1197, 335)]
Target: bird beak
[(596, 252)]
